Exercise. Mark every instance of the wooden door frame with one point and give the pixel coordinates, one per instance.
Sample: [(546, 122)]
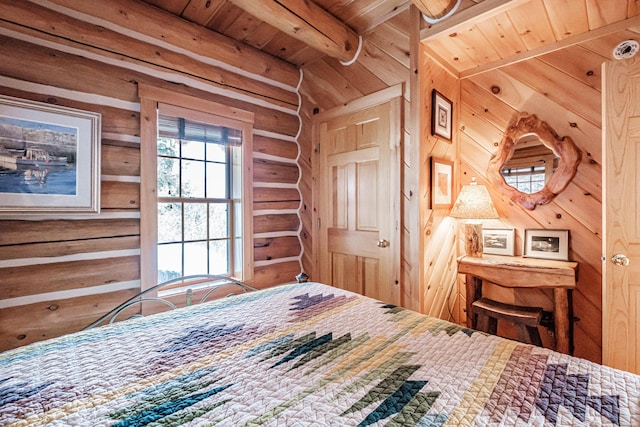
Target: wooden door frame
[(390, 94)]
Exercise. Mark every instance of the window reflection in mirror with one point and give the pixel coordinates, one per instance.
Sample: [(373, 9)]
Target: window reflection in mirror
[(524, 170), (530, 166)]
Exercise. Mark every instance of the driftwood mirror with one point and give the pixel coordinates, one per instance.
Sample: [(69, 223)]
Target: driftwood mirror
[(533, 164)]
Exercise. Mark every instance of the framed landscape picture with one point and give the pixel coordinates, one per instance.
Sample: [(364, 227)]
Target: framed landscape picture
[(498, 241), (49, 159), (547, 244)]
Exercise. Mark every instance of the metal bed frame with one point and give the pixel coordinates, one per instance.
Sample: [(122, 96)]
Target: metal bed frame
[(211, 282)]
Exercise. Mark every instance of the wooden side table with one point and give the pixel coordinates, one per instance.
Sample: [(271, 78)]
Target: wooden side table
[(519, 272)]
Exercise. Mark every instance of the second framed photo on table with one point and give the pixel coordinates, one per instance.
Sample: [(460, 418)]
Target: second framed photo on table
[(546, 244)]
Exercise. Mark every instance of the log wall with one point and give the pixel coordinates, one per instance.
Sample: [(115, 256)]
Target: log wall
[(59, 274)]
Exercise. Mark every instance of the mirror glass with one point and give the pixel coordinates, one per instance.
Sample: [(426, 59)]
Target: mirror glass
[(533, 164), (530, 166)]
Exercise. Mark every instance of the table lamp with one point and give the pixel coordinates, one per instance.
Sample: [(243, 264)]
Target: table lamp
[(473, 204)]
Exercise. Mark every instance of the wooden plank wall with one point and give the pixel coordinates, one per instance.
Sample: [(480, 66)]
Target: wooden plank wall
[(57, 276), (562, 88)]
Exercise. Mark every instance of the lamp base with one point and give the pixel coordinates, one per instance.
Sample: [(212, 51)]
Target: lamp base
[(473, 239)]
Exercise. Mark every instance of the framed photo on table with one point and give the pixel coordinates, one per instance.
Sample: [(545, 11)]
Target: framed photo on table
[(49, 159), (441, 115), (498, 241), (546, 244), (441, 183)]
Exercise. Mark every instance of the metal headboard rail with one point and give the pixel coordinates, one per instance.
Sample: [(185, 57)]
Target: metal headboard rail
[(188, 281)]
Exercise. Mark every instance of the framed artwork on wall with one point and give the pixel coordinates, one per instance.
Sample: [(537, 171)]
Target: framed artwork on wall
[(441, 115), (547, 244), (498, 241), (49, 159), (441, 183)]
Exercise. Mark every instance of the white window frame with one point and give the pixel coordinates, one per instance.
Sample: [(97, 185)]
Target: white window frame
[(153, 100)]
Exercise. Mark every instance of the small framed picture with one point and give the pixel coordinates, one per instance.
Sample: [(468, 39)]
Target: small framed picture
[(498, 241), (547, 244), (441, 183), (441, 115)]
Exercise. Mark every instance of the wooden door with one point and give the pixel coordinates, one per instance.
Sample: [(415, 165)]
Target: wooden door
[(359, 201), (621, 284)]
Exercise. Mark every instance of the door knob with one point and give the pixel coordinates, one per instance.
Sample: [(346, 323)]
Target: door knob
[(620, 259), (383, 243)]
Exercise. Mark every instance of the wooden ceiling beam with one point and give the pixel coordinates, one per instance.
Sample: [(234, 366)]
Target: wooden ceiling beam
[(307, 22), (467, 18)]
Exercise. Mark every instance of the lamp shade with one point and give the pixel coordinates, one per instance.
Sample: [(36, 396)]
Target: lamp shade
[(474, 202)]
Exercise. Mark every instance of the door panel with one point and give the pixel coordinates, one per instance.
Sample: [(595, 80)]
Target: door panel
[(621, 285), (356, 201)]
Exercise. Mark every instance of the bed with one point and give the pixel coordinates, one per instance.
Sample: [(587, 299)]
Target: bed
[(304, 354)]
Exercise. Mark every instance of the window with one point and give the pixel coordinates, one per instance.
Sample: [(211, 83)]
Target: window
[(197, 163), (526, 179), (195, 188)]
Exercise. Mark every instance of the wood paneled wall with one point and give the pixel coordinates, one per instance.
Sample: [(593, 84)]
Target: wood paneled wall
[(562, 88), (58, 275)]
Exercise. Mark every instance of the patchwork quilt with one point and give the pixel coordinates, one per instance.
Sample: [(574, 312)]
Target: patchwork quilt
[(304, 355)]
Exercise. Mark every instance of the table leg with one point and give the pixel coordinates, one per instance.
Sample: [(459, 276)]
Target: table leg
[(562, 318), (474, 293)]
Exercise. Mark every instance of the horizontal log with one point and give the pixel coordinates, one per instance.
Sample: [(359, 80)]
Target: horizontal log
[(275, 147), (275, 205), (272, 194), (58, 248), (22, 325), (273, 222), (59, 69), (120, 195), (30, 280), (270, 171), (165, 27), (24, 232), (276, 247), (118, 160), (53, 26), (113, 120), (275, 274)]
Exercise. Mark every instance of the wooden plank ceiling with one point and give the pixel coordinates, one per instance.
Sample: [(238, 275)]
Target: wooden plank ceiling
[(481, 35)]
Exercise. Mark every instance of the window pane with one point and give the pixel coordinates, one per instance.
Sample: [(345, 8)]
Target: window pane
[(195, 258), (168, 147), (218, 221), (169, 222), (169, 261), (216, 181), (192, 179), (218, 256), (195, 221), (193, 150), (216, 153), (168, 177)]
